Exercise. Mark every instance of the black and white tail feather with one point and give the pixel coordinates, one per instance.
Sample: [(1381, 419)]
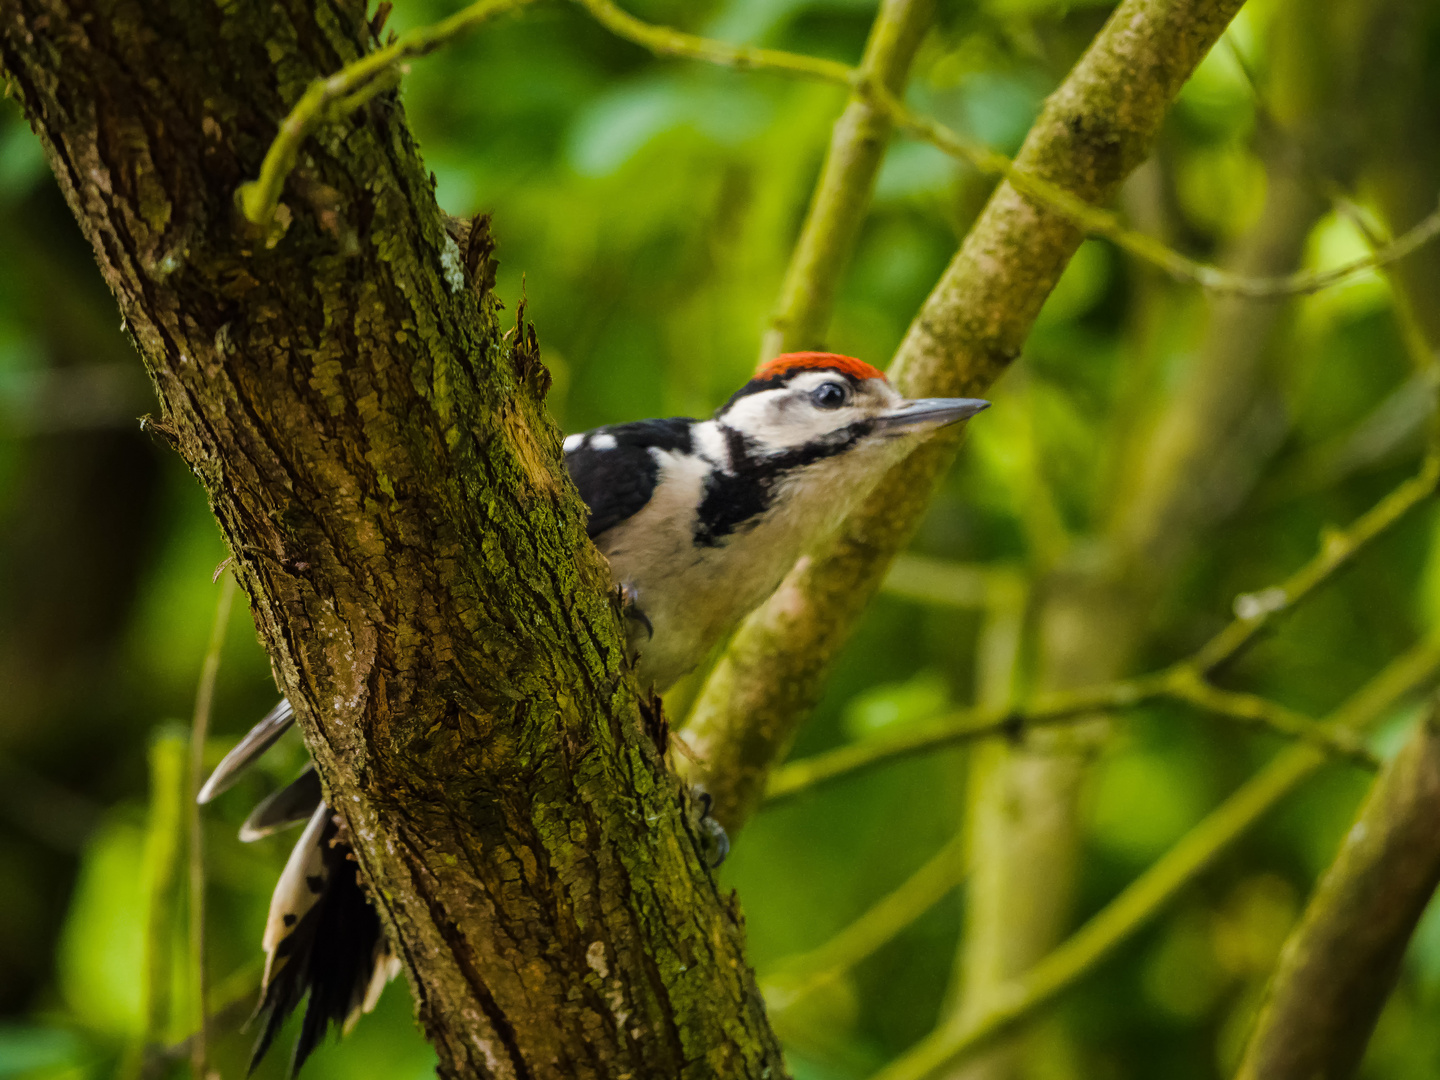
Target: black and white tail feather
[(322, 939)]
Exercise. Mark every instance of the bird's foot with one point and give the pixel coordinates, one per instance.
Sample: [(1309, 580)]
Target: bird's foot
[(714, 841), (630, 608)]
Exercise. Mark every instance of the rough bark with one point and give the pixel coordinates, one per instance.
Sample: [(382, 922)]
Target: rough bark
[(1341, 962), (378, 457)]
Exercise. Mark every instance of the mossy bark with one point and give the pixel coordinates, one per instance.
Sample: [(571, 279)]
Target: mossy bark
[(378, 456)]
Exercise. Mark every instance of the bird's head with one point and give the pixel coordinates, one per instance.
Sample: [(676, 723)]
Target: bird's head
[(814, 405)]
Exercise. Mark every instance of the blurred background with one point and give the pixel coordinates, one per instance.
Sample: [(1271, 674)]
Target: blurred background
[(645, 210)]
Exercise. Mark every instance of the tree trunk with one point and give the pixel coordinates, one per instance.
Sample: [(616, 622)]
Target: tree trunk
[(379, 459)]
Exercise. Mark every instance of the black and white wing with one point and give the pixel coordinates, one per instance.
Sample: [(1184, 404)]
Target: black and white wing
[(615, 468)]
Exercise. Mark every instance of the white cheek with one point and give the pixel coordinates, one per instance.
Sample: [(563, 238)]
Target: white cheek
[(778, 423), (794, 426)]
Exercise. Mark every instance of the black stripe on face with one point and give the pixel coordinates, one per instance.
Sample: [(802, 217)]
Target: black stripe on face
[(735, 497)]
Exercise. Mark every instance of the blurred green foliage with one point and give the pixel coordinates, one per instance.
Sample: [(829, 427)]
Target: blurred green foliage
[(645, 210)]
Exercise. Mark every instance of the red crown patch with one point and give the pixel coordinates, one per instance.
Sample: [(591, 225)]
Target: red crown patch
[(786, 363)]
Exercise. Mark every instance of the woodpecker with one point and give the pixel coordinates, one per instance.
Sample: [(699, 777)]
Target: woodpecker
[(699, 520)]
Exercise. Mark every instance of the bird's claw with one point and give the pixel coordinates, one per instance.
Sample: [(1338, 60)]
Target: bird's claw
[(630, 605), (714, 840)]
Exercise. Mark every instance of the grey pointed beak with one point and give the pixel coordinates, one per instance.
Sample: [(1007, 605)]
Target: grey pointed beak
[(931, 412)]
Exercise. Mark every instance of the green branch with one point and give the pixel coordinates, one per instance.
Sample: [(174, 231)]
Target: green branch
[(334, 97), (331, 98), (199, 732), (1341, 961), (664, 41), (847, 180), (1089, 218), (798, 976), (159, 878), (1185, 681), (1181, 682), (1254, 612), (1017, 1000), (1096, 222)]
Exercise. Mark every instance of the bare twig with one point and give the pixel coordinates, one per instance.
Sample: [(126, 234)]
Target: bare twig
[(1178, 683), (1089, 218), (1102, 223), (353, 85), (342, 93), (1185, 681), (199, 732), (837, 209), (801, 975), (159, 877), (1016, 1001), (664, 41), (1255, 611)]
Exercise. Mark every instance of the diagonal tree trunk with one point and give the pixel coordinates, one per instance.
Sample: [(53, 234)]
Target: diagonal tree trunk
[(377, 454)]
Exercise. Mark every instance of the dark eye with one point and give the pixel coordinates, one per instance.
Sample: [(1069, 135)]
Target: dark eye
[(830, 395)]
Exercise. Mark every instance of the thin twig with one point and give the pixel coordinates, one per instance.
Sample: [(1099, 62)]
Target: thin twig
[(1102, 223), (1091, 219), (798, 976), (1255, 611), (1182, 682), (199, 732), (1015, 1001), (847, 179), (1185, 681), (665, 41), (345, 91), (159, 875), (357, 82)]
